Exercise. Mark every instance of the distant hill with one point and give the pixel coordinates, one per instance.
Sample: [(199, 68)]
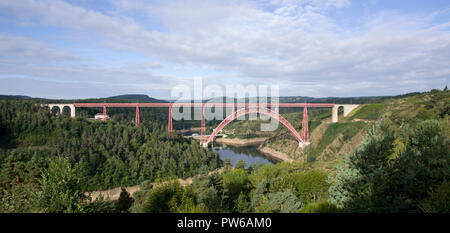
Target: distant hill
[(119, 98), (137, 97), (344, 100), (284, 99), (337, 100), (9, 97)]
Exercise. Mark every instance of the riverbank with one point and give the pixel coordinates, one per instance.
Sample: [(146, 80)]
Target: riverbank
[(238, 142), (280, 156)]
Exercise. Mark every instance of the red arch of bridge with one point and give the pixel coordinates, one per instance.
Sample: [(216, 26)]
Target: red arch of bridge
[(245, 111), (250, 106)]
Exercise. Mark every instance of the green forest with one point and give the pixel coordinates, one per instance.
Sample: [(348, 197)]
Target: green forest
[(50, 163), (102, 154)]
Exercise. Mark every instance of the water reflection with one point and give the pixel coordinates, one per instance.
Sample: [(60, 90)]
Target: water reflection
[(249, 154)]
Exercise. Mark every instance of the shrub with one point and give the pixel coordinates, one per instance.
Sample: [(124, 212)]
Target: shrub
[(163, 198), (311, 186), (322, 206)]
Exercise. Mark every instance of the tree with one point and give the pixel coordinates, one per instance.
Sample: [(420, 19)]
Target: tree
[(241, 164), (210, 192), (242, 204), (321, 206), (438, 200), (311, 186), (188, 203), (227, 164), (235, 182), (164, 198), (280, 202), (62, 187), (281, 182), (125, 201), (112, 154), (393, 171), (361, 180), (258, 193)]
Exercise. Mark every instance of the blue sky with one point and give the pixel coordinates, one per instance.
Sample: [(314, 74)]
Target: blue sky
[(83, 48)]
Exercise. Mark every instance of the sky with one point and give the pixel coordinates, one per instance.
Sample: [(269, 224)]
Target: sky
[(318, 48)]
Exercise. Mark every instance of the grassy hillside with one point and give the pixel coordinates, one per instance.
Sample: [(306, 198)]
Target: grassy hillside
[(252, 128), (330, 142)]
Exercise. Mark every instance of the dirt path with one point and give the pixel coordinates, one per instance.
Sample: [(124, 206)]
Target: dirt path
[(363, 120), (114, 193)]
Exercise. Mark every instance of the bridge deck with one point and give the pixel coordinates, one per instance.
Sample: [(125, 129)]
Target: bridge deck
[(249, 107), (153, 105)]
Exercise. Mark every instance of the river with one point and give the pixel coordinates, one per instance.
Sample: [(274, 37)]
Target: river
[(249, 154)]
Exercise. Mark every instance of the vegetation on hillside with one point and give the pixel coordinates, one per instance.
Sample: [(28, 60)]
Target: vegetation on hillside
[(331, 141), (280, 188), (402, 164), (104, 154), (396, 170)]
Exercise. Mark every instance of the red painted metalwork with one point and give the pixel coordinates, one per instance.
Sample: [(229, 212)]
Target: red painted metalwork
[(153, 105), (137, 120), (104, 113), (246, 111), (305, 128), (170, 127), (245, 108), (203, 130)]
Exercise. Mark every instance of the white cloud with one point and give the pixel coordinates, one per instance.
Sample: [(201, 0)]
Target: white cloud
[(19, 47), (294, 42), (24, 59)]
